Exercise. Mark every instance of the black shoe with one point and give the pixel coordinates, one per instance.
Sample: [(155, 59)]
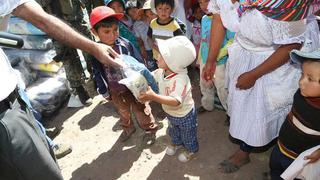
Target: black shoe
[(52, 132), (83, 95)]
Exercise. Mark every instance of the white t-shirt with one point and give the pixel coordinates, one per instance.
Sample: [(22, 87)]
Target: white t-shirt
[(8, 78), (177, 86)]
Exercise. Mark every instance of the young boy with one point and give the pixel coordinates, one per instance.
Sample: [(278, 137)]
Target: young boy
[(165, 26), (301, 129), (104, 22), (206, 87), (175, 94), (126, 23), (141, 30)]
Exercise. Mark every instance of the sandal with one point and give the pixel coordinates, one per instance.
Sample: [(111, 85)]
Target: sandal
[(228, 167)]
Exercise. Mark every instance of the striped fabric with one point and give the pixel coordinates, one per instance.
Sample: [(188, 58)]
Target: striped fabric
[(284, 10)]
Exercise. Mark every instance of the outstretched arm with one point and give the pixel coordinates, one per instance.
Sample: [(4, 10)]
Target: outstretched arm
[(32, 12)]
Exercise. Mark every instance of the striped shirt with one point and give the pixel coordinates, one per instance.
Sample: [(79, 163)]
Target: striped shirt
[(165, 31), (301, 129)]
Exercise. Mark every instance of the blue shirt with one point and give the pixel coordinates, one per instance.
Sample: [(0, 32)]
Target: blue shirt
[(205, 39)]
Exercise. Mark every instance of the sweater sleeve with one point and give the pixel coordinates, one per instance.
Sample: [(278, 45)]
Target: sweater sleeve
[(97, 76)]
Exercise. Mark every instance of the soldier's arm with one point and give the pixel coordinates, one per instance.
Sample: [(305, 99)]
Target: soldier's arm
[(32, 12)]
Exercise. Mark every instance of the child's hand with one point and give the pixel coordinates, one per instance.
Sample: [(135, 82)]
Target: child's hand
[(313, 157), (147, 96), (246, 80)]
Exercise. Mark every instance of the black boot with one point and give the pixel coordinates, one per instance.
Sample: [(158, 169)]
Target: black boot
[(83, 95)]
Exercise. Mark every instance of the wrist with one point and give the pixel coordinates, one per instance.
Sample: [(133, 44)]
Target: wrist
[(254, 73)]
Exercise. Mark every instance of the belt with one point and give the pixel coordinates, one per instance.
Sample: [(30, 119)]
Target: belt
[(7, 102)]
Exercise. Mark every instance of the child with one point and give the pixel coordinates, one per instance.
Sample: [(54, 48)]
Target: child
[(196, 26), (165, 26), (175, 94), (259, 79), (104, 22), (206, 87), (126, 23), (140, 29), (301, 129)]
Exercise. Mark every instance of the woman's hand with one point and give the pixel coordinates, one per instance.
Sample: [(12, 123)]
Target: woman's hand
[(246, 80), (313, 157)]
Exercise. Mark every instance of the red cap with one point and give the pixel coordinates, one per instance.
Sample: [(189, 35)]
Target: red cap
[(101, 12)]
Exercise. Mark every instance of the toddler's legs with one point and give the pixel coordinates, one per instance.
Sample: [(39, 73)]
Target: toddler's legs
[(188, 130), (183, 131)]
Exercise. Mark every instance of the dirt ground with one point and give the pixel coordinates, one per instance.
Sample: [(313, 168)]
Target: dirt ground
[(98, 154)]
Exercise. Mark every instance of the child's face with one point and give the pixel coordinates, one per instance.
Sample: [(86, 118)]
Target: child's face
[(164, 11), (204, 5), (198, 13), (108, 35), (116, 6), (133, 13), (161, 63), (149, 14), (310, 79)]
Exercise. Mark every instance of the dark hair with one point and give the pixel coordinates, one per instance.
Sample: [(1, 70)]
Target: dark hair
[(169, 2), (132, 4), (107, 22), (195, 7)]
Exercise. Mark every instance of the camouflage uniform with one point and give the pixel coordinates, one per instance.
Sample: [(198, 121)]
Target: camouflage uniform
[(91, 4), (72, 12)]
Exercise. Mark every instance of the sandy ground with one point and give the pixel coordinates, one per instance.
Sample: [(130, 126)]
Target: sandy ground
[(98, 154)]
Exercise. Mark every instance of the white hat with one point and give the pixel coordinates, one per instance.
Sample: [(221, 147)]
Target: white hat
[(178, 52)]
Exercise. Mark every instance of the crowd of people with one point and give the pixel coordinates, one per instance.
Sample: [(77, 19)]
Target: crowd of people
[(259, 58)]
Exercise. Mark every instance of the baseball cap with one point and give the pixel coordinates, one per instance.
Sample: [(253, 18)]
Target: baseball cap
[(102, 12), (297, 56)]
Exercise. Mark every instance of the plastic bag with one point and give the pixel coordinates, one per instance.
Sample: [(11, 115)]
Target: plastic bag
[(37, 42), (138, 77), (19, 26), (25, 74), (31, 56), (48, 94)]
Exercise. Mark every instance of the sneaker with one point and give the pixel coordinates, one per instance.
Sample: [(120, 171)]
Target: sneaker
[(171, 149), (185, 156), (83, 95), (125, 136), (149, 138), (60, 150), (52, 132)]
